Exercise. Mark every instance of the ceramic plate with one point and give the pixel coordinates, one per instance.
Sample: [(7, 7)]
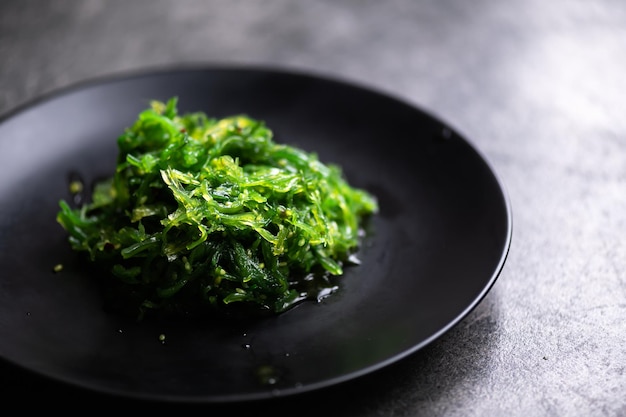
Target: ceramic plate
[(431, 254)]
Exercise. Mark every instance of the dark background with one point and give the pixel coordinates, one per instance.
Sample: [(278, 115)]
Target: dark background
[(539, 87)]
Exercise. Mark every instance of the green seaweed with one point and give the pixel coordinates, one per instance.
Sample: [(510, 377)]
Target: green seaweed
[(205, 212)]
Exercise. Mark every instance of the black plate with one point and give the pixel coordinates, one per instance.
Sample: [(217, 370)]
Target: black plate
[(432, 253)]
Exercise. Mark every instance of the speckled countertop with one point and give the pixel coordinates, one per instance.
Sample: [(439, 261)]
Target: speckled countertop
[(539, 87)]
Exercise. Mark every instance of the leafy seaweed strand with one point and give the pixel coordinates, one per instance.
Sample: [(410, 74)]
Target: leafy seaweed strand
[(213, 212)]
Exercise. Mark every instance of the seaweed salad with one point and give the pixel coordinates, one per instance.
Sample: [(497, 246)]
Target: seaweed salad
[(205, 213)]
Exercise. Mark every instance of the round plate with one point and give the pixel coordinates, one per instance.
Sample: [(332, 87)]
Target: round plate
[(431, 254)]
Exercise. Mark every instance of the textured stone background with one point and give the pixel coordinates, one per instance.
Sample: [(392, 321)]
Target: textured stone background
[(538, 86)]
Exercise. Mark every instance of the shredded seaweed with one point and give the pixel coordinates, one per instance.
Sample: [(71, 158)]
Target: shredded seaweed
[(204, 213)]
